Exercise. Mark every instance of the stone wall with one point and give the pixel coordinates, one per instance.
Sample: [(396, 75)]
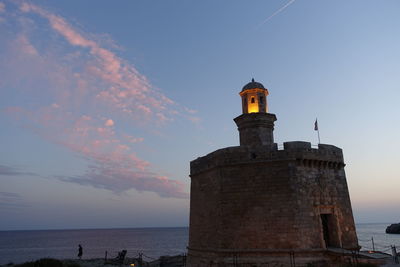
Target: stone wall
[(267, 201)]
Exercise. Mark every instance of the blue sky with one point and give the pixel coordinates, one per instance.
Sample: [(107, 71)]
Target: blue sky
[(103, 105)]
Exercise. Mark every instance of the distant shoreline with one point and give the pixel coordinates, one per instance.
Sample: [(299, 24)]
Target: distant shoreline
[(144, 227), (86, 229)]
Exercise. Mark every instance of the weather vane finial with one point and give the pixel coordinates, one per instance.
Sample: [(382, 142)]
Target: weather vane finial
[(252, 80)]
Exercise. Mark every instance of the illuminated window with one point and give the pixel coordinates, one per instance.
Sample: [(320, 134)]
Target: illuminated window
[(252, 99)]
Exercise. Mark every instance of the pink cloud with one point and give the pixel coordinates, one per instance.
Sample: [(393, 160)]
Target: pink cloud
[(119, 180), (25, 46), (132, 139), (82, 92), (2, 7), (136, 140), (190, 111), (127, 90), (109, 123), (113, 166), (14, 111), (195, 120)]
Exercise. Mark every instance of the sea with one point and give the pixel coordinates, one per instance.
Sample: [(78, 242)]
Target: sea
[(22, 246)]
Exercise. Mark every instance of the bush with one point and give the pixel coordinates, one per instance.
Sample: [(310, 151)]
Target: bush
[(47, 262), (26, 264)]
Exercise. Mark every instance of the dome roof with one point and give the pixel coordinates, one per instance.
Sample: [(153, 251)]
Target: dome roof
[(253, 85)]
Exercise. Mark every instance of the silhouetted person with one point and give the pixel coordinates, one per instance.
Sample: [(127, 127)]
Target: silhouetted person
[(80, 251)]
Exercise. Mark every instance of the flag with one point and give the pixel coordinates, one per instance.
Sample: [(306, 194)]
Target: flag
[(316, 125)]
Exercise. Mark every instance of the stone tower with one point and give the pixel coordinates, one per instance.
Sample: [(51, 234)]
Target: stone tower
[(257, 205)]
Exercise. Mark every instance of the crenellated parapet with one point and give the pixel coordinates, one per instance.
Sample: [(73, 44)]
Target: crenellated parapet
[(301, 153), (323, 157)]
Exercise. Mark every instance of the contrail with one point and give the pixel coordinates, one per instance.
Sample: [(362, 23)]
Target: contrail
[(276, 12)]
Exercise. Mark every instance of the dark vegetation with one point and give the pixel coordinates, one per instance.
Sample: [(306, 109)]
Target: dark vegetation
[(47, 262)]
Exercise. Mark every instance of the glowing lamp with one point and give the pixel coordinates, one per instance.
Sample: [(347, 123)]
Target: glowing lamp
[(254, 98), (253, 109)]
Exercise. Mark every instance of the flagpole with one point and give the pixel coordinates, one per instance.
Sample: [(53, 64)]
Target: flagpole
[(316, 128)]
